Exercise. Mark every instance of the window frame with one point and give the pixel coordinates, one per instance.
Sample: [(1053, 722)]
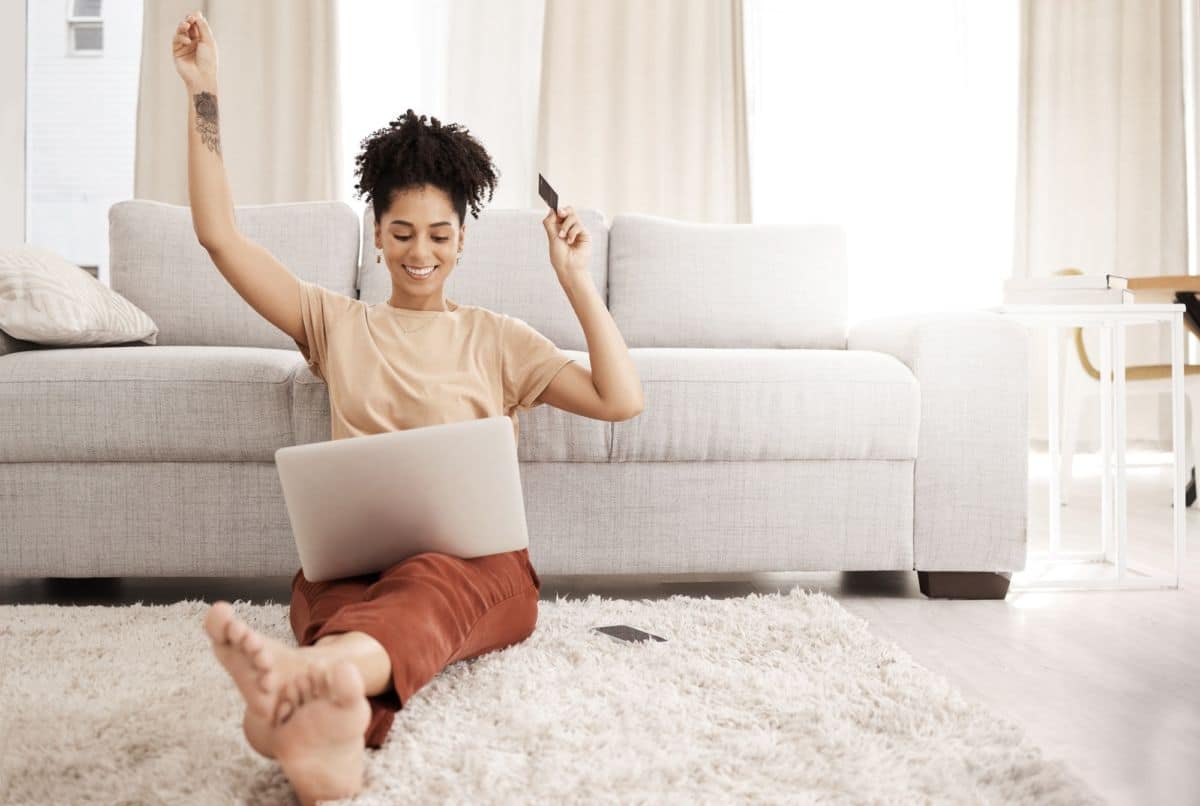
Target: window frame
[(76, 22)]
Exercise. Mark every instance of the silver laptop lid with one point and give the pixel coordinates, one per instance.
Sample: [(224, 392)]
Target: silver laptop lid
[(362, 504)]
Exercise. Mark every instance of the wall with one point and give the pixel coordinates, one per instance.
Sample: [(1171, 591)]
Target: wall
[(12, 124)]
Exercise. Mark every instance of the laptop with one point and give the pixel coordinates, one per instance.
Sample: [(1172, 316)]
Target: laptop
[(362, 504)]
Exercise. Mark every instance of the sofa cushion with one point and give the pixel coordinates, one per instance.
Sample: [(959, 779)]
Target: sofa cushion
[(158, 265), (505, 268), (734, 405), (140, 403), (146, 403), (182, 403), (681, 284)]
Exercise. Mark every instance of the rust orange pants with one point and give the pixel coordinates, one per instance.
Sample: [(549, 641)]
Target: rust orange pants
[(429, 611)]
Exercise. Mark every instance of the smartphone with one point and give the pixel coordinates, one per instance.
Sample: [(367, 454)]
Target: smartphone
[(627, 633)]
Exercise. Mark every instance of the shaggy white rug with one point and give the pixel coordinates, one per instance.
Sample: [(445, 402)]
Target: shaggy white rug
[(766, 698)]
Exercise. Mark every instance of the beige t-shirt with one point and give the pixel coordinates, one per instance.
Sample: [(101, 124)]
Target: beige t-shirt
[(463, 364)]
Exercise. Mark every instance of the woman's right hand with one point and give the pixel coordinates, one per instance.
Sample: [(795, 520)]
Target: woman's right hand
[(195, 51)]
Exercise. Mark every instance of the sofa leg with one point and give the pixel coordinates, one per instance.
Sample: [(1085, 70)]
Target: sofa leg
[(964, 584)]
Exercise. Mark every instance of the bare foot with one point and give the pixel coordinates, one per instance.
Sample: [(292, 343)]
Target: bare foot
[(265, 670), (320, 742)]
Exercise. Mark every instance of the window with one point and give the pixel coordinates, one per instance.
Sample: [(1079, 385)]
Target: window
[(898, 123), (368, 51), (80, 123), (85, 28)]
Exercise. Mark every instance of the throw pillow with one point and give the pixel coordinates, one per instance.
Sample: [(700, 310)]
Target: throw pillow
[(46, 299)]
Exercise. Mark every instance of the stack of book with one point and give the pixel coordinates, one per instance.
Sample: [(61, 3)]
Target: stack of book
[(1070, 289)]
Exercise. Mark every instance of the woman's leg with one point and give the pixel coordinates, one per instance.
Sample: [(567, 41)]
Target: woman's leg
[(429, 611)]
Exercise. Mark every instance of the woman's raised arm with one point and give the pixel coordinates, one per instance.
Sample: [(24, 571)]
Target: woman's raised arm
[(195, 52), (258, 277)]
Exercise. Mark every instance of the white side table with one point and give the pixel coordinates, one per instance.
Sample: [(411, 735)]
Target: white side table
[(1112, 320)]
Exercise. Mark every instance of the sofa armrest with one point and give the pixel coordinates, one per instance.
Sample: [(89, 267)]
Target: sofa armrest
[(970, 485), (10, 345)]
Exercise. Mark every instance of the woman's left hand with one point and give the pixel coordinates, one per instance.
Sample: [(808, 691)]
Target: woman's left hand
[(571, 251)]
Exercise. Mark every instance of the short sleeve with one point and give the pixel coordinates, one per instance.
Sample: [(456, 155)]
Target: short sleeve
[(529, 362), (320, 311)]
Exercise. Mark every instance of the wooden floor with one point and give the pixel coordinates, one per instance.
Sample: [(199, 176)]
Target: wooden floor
[(1107, 680)]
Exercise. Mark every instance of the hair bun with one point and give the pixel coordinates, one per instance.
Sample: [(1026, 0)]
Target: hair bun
[(409, 152)]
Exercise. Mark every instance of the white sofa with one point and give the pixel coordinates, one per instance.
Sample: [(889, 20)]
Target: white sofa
[(773, 438)]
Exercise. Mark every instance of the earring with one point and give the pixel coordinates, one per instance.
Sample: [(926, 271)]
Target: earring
[(378, 256)]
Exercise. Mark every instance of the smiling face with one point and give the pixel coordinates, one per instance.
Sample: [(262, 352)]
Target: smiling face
[(418, 231)]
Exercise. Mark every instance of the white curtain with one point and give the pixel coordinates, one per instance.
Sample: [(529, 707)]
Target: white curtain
[(279, 104), (493, 74), (1102, 180), (392, 57), (476, 64), (624, 106), (643, 109)]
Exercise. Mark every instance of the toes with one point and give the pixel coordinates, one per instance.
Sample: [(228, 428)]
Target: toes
[(316, 681), (319, 680), (304, 692), (252, 642), (283, 711), (236, 630), (285, 702), (263, 660), (215, 621), (292, 692)]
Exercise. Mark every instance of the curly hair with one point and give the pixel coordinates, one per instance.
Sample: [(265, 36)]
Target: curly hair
[(410, 153)]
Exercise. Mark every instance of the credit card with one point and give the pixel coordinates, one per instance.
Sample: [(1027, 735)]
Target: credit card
[(547, 193)]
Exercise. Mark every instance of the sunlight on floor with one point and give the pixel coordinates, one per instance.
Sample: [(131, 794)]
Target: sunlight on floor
[(1033, 600), (1149, 511), (1146, 463)]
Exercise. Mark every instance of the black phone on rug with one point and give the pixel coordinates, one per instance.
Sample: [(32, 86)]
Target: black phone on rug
[(627, 633)]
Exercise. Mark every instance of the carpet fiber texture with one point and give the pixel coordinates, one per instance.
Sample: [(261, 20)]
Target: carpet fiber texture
[(766, 698)]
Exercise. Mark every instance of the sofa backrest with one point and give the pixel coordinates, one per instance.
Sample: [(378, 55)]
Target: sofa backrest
[(505, 268), (681, 284), (667, 283), (157, 263)]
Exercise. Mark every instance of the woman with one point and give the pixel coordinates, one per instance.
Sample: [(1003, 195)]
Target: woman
[(368, 643)]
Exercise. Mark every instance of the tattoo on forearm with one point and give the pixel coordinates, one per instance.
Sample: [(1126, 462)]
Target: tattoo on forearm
[(206, 121)]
